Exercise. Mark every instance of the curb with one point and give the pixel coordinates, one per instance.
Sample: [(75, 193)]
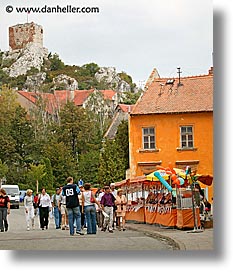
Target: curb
[(175, 244)]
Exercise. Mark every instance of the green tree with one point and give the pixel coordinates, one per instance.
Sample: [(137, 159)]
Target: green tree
[(4, 78), (62, 162), (96, 108), (130, 97), (127, 78), (55, 62), (122, 141), (22, 132), (3, 170), (41, 130), (35, 176), (17, 174), (8, 106), (48, 179), (88, 167), (8, 152), (111, 167), (74, 129), (114, 158)]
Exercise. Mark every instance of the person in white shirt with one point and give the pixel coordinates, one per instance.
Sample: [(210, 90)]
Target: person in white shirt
[(44, 208), (29, 209), (113, 190), (114, 193)]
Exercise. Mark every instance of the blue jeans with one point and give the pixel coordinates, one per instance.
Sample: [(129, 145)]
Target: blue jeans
[(74, 215), (57, 217), (90, 215)]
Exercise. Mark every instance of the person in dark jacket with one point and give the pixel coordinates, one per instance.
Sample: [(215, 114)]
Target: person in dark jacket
[(107, 203), (71, 192)]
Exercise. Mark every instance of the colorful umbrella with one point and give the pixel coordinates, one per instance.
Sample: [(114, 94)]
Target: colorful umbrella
[(205, 179), (152, 177)]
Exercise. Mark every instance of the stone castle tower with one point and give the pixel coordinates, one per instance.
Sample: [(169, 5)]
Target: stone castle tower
[(22, 34)]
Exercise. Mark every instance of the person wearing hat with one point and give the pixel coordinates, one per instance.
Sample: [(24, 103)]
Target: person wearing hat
[(55, 205), (120, 203), (29, 209)]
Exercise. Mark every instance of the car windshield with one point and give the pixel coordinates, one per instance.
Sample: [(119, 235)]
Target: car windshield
[(12, 191)]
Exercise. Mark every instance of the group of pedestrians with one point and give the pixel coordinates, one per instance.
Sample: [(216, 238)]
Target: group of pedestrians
[(74, 207), (104, 209)]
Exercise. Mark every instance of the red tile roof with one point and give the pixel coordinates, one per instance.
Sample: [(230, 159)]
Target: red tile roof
[(194, 95), (60, 97), (31, 96), (126, 107), (108, 94), (81, 96), (49, 99)]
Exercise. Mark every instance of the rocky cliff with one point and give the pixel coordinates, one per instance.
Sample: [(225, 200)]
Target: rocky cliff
[(29, 65), (110, 76), (20, 61)]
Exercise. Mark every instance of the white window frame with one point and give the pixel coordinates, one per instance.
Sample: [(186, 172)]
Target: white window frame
[(148, 136), (186, 134)]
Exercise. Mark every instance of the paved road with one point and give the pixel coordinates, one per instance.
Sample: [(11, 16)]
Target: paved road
[(18, 238)]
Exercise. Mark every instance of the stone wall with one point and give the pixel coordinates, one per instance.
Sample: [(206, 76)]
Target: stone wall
[(22, 34)]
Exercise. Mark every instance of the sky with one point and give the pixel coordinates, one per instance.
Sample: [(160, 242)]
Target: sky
[(166, 34), (134, 36)]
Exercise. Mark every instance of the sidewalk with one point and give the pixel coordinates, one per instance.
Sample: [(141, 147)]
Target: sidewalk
[(180, 239)]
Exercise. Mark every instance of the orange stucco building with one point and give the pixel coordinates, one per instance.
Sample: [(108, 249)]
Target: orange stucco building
[(173, 122)]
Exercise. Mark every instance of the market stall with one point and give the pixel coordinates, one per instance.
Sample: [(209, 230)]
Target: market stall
[(186, 209), (160, 208), (164, 197), (135, 210)]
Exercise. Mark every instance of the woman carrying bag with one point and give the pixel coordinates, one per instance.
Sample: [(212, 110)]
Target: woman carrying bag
[(88, 207)]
